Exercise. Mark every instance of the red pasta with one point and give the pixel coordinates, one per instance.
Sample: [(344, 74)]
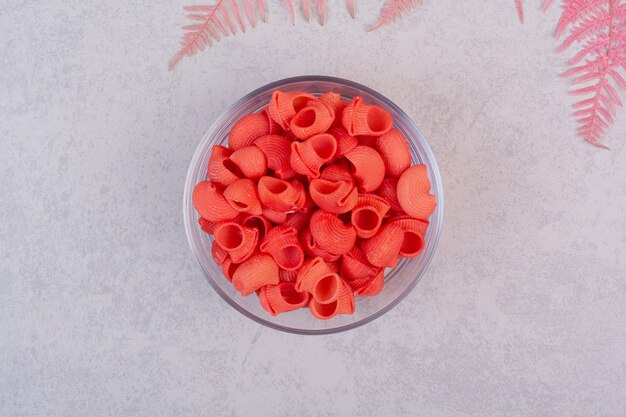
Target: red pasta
[(369, 141), (343, 305), (282, 297), (283, 106), (384, 248), (254, 273), (339, 171), (282, 243), (280, 195), (368, 168), (229, 268), (368, 214), (311, 201), (311, 120), (277, 151), (333, 101), (247, 129), (278, 217), (238, 241), (331, 234), (210, 203), (274, 128), (313, 249), (219, 254), (221, 170), (308, 157), (287, 276), (363, 119), (333, 196), (414, 231), (389, 191), (345, 142), (414, 192), (316, 278), (298, 220), (394, 149), (206, 226), (258, 222), (250, 161), (242, 196), (355, 266), (371, 286)]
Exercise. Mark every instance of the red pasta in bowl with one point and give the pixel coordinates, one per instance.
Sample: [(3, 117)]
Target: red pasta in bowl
[(310, 201)]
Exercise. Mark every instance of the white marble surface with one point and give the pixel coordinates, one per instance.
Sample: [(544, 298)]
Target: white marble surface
[(103, 311)]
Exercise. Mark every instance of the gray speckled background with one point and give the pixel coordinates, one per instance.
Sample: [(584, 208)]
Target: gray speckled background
[(104, 312)]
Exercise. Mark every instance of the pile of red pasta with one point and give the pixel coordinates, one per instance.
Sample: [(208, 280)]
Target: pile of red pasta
[(312, 199)]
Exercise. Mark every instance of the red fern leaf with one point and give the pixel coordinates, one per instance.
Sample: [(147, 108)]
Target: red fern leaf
[(393, 10), (546, 5), (352, 8), (520, 10), (211, 23), (600, 27)]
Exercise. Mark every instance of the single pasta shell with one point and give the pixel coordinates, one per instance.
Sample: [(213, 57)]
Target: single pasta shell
[(280, 195), (316, 278), (221, 170), (367, 216), (368, 168), (277, 151), (331, 234), (250, 161), (414, 192), (242, 196), (313, 119), (394, 149), (364, 119), (238, 241), (383, 249), (259, 270), (284, 105), (308, 157), (247, 129), (312, 249), (333, 196), (210, 203), (414, 232), (343, 305), (282, 297), (283, 245)]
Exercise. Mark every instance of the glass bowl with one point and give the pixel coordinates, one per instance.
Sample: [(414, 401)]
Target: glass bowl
[(398, 281)]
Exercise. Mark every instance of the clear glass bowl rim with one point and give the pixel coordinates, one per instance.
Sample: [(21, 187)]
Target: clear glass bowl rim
[(190, 222)]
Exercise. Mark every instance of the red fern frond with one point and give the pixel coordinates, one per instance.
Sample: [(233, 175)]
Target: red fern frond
[(599, 26), (352, 8), (520, 10), (211, 23), (393, 10)]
